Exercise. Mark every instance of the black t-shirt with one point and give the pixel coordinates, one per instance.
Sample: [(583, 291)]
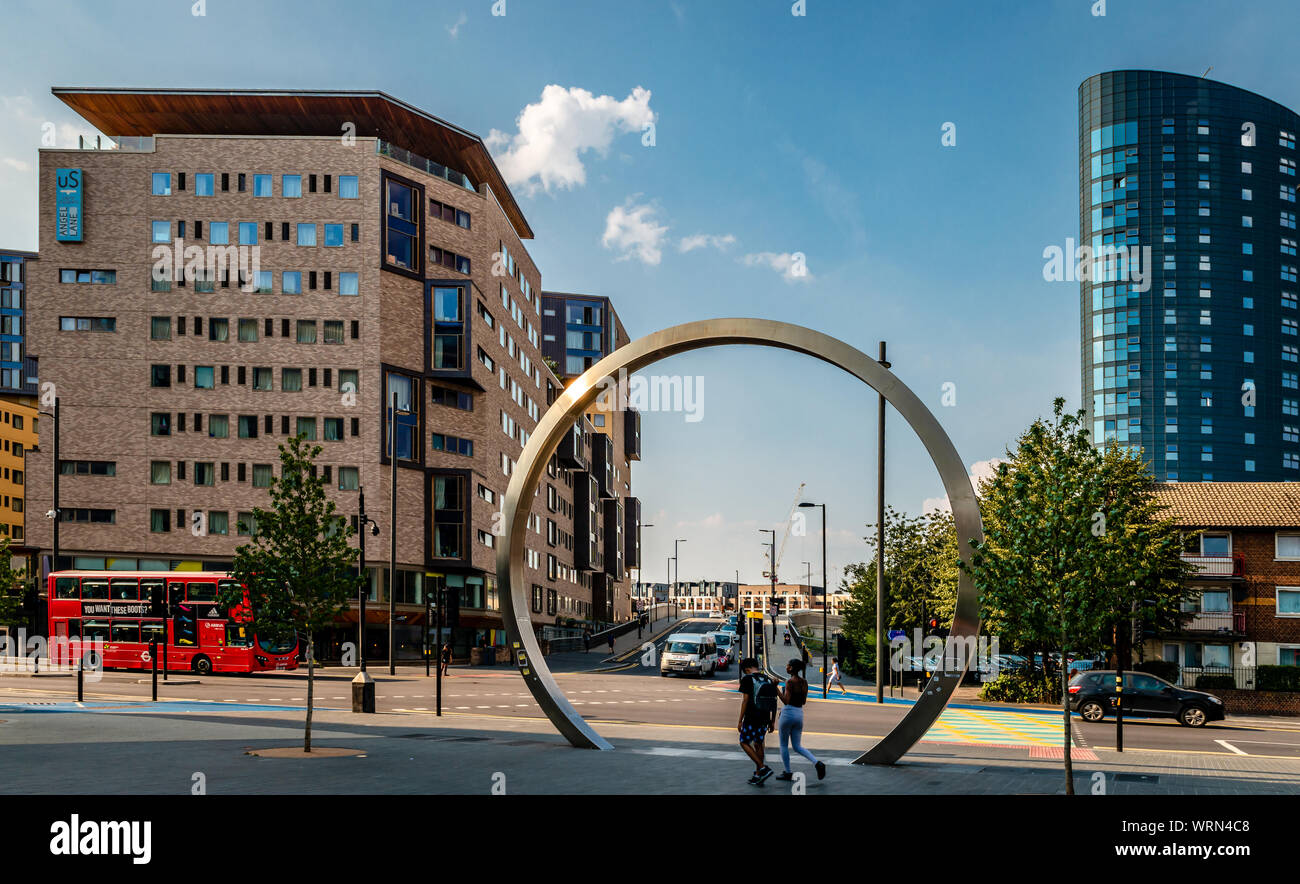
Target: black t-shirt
[(753, 715)]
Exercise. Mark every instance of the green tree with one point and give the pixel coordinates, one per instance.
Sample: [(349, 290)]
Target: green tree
[(920, 576), (1073, 542), (299, 568), (15, 590)]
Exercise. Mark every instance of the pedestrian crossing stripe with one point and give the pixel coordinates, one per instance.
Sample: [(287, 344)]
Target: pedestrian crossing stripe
[(991, 727)]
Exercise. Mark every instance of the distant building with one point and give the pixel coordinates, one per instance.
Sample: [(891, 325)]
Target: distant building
[(1243, 538)]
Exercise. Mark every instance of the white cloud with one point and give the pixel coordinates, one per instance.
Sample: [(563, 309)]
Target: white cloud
[(793, 266), (981, 469), (546, 152), (705, 240), (17, 164), (454, 30), (630, 229)]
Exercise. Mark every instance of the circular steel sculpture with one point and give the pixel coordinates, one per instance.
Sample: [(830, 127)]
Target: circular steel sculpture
[(582, 393)]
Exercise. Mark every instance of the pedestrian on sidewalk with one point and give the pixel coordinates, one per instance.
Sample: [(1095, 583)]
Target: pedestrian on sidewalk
[(757, 717), (794, 694), (611, 642), (446, 657), (586, 641), (836, 678)]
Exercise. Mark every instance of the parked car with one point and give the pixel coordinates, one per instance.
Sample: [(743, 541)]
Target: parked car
[(1092, 696), (693, 653)]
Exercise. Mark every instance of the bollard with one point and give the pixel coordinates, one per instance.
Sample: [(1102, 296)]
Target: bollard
[(164, 653), (81, 679), (153, 659), (363, 692)]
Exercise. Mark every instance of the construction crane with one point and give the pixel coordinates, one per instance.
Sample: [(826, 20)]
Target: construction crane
[(789, 521)]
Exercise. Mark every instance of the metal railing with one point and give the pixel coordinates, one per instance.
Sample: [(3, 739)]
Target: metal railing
[(1218, 566), (415, 161), (1218, 622)]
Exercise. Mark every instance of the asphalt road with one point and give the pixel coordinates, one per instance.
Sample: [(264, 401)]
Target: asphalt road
[(636, 694)]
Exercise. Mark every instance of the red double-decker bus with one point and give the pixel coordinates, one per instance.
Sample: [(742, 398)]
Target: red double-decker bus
[(127, 610)]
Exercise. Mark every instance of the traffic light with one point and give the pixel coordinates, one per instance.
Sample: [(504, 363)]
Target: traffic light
[(932, 626)]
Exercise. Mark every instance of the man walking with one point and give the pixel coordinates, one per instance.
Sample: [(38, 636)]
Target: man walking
[(757, 717)]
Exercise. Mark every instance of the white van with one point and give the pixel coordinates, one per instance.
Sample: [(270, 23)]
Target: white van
[(694, 653)]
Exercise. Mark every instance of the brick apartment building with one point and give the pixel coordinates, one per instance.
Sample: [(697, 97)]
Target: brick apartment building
[(577, 332), (375, 254), (1244, 541)]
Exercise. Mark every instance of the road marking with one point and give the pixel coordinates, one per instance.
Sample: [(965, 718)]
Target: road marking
[(1231, 748)]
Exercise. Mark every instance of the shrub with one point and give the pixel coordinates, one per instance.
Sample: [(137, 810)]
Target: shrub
[(1278, 678), (1022, 687), (1165, 669), (1215, 682)]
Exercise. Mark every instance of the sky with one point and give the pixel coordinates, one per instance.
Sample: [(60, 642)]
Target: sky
[(875, 171)]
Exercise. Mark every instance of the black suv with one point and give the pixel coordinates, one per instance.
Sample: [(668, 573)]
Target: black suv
[(1092, 695)]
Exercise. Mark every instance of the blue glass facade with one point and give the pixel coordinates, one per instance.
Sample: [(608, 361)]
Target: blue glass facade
[(1190, 353), (577, 331), (14, 379)]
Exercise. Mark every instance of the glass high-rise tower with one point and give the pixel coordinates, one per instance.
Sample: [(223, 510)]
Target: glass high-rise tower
[(1193, 354)]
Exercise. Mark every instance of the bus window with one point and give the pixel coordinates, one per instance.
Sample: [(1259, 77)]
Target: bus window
[(124, 588), (73, 628), (185, 628), (202, 592), (125, 631), (93, 629), (67, 588), (94, 588), (155, 592), (153, 631), (238, 635)]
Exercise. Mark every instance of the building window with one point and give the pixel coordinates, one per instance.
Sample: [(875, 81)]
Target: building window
[(402, 228), (400, 390), (291, 186), (449, 516), (448, 330), (160, 521), (162, 184), (348, 283), (1287, 548), (348, 187)]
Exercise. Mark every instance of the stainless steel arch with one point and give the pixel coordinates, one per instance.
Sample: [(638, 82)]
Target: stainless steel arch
[(580, 395)]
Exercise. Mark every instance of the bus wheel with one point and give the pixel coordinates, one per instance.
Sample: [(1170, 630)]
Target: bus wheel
[(202, 665), (90, 661)]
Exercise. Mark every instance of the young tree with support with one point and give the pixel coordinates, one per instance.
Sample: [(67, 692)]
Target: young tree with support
[(299, 569)]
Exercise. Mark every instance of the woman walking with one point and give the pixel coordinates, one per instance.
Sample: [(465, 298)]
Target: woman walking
[(794, 693)]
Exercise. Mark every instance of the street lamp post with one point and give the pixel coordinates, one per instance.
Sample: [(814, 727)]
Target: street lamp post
[(880, 541), (54, 507), (771, 602), (677, 572), (826, 638), (363, 686)]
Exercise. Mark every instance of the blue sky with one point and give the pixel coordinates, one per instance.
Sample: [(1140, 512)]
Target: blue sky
[(774, 134)]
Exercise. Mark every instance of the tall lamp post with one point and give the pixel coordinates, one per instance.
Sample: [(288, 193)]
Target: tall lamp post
[(771, 602), (392, 530), (54, 507), (363, 686), (826, 638), (640, 573), (880, 541), (677, 572)]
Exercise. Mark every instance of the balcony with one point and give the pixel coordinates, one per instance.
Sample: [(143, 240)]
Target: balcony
[(1216, 623), (1217, 566), (415, 161)]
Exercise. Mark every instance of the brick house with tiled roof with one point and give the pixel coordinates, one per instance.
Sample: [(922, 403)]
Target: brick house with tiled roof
[(1244, 542)]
